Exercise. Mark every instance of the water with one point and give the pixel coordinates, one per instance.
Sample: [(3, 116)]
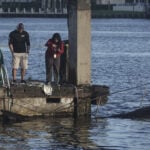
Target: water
[(120, 60)]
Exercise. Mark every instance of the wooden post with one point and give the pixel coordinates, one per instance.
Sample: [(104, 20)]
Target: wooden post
[(79, 41)]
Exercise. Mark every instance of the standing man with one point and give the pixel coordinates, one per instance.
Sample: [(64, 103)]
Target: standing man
[(19, 44)]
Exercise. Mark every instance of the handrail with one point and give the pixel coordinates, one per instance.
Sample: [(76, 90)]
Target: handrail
[(3, 72)]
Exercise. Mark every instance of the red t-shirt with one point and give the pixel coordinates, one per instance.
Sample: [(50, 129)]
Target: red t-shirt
[(51, 50)]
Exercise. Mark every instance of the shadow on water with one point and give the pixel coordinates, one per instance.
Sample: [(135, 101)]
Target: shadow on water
[(141, 113), (137, 114)]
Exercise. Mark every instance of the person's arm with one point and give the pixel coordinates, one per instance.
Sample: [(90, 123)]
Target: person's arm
[(28, 43), (10, 43), (28, 49), (48, 43), (61, 49), (11, 48), (50, 46)]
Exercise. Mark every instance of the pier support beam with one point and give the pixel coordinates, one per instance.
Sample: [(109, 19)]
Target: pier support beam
[(79, 23)]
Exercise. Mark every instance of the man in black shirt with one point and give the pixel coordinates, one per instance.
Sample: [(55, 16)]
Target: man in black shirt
[(19, 44)]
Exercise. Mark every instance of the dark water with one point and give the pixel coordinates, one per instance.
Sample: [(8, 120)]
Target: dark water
[(120, 59)]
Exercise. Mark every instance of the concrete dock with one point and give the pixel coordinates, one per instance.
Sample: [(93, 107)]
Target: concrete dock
[(31, 99)]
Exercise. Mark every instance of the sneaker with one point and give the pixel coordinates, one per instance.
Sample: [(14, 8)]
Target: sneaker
[(56, 84), (13, 81), (23, 81), (48, 83)]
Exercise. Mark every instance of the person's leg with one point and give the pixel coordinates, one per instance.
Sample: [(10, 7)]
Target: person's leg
[(23, 71), (62, 70), (14, 72), (49, 67), (24, 65), (56, 67), (16, 62)]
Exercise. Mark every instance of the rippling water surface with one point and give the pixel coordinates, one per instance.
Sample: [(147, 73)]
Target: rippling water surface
[(120, 60)]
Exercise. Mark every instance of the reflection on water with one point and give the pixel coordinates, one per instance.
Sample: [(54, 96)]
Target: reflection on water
[(81, 134), (60, 133)]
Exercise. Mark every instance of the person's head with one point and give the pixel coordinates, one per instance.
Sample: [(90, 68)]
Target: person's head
[(56, 38), (20, 27)]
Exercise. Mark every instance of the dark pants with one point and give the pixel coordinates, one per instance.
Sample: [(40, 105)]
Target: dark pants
[(63, 68), (52, 67), (64, 64)]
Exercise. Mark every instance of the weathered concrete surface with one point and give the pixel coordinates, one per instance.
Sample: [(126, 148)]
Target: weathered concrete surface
[(80, 42), (40, 106), (35, 89), (3, 96), (30, 100)]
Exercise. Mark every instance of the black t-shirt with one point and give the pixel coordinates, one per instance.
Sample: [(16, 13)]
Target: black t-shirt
[(20, 41)]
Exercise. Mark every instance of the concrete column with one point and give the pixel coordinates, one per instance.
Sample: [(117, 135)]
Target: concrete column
[(24, 10), (55, 9), (39, 11), (32, 10), (79, 24), (43, 4), (17, 10), (49, 4), (1, 10), (60, 5), (147, 2)]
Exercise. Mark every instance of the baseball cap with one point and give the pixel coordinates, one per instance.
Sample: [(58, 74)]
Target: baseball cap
[(20, 26)]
